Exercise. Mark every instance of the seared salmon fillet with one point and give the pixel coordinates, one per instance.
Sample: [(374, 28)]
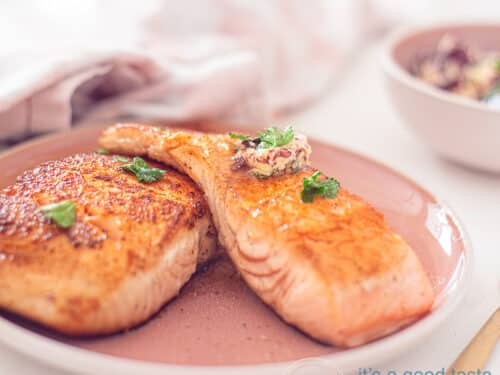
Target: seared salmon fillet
[(332, 268), (131, 248)]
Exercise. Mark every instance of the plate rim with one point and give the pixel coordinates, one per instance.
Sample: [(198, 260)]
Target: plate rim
[(84, 361)]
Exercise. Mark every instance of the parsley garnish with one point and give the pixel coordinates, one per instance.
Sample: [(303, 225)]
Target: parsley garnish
[(243, 137), (327, 188), (273, 137), (62, 213), (102, 151), (498, 66), (143, 171), (121, 159)]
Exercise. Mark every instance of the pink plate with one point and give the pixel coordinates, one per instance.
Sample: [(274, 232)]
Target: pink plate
[(217, 325)]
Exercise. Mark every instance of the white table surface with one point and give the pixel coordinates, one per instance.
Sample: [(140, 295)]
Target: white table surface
[(357, 114)]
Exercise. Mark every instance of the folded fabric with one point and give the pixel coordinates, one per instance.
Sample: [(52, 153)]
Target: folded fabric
[(240, 61)]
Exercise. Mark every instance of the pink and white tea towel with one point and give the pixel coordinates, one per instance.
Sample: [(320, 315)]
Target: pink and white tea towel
[(69, 62)]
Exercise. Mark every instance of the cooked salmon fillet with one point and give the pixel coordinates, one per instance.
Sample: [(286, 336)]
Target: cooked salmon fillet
[(333, 268), (132, 246)]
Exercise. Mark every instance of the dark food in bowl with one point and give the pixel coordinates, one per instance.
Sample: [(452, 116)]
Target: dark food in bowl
[(462, 69)]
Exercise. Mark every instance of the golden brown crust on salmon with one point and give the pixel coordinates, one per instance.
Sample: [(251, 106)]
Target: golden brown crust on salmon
[(131, 248), (333, 267)]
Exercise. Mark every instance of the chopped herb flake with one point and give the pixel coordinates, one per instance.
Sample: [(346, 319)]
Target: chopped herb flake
[(121, 159), (143, 171), (62, 213), (102, 151), (243, 137), (327, 188)]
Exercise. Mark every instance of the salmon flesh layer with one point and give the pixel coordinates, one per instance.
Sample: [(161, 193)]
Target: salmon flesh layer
[(132, 246), (332, 268)]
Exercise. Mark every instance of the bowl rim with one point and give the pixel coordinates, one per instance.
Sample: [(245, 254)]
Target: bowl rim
[(58, 355), (393, 69)]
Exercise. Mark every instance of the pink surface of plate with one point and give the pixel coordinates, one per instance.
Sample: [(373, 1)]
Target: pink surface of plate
[(216, 319)]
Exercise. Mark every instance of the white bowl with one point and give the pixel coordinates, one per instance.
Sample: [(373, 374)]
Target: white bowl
[(458, 128)]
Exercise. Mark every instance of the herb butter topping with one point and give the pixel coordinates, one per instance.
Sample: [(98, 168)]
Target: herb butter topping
[(273, 152)]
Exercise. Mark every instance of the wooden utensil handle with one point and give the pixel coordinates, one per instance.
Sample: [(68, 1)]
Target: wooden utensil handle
[(475, 355)]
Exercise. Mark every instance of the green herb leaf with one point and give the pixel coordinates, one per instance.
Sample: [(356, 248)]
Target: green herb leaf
[(62, 213), (274, 137), (243, 137), (102, 151), (271, 137), (121, 159), (143, 171), (498, 66), (327, 188)]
